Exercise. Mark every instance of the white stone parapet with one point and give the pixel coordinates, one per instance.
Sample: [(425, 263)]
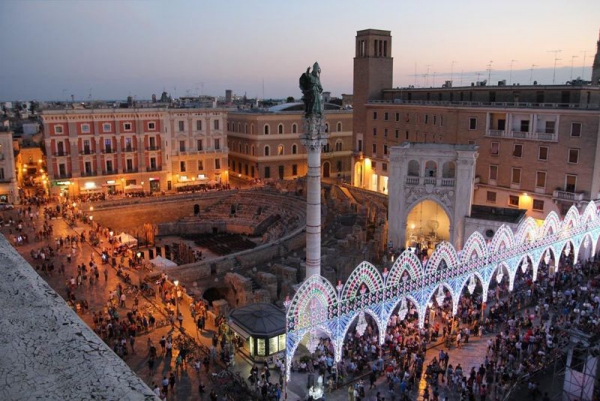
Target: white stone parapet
[(47, 351)]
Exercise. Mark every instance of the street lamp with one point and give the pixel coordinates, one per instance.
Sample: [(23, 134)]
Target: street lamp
[(91, 209)]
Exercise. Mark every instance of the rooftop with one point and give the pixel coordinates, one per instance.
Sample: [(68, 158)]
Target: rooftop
[(506, 215), (258, 320)]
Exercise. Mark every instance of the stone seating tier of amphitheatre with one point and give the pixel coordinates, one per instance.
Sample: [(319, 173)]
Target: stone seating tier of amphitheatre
[(262, 213)]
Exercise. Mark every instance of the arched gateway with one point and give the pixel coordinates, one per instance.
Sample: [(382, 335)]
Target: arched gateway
[(318, 306)]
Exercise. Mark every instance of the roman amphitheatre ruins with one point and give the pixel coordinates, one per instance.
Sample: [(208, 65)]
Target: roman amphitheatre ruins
[(252, 240)]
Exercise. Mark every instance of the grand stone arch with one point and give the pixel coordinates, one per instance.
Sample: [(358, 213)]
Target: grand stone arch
[(419, 172)]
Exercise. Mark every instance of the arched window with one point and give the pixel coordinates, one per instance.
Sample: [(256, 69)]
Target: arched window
[(239, 128), (246, 149), (240, 147), (338, 146), (326, 148), (280, 129), (430, 169), (294, 149), (326, 127), (246, 128), (251, 129), (267, 150), (339, 126), (448, 170), (413, 168), (294, 128), (252, 150), (266, 129), (280, 150)]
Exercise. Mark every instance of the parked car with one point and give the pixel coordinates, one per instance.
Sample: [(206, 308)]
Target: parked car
[(6, 206)]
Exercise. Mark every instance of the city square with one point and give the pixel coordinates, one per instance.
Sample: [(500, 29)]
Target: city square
[(405, 240)]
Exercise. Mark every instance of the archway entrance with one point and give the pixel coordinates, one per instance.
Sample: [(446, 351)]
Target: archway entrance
[(326, 169), (358, 174), (427, 224)]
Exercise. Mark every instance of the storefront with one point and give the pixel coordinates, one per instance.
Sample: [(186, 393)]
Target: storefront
[(154, 184), (262, 326), (61, 188)]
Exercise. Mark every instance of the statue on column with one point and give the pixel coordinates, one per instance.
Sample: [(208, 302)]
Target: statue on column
[(310, 84)]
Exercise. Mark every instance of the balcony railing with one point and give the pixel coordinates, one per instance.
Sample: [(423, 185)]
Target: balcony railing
[(532, 136), (109, 172), (436, 181), (88, 173), (62, 176), (86, 152), (150, 148), (61, 154), (155, 168), (568, 196), (129, 149), (108, 150), (131, 170)]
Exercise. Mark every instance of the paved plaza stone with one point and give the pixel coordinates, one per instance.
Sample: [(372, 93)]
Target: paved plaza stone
[(187, 379)]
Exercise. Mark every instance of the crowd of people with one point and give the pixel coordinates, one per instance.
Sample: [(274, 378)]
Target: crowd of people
[(525, 331)]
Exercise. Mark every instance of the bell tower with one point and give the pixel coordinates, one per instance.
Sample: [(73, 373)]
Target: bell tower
[(596, 65), (373, 72)]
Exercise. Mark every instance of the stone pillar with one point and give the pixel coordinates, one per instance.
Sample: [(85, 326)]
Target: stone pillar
[(313, 139)]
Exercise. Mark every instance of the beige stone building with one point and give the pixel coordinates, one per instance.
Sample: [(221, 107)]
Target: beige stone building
[(538, 146), (9, 190), (266, 145), (133, 150)]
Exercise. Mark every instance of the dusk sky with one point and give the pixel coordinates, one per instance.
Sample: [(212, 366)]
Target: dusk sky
[(52, 49)]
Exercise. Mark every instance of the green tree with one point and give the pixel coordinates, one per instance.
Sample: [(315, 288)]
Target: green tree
[(290, 99)]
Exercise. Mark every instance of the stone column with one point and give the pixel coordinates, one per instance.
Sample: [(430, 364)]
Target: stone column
[(313, 139)]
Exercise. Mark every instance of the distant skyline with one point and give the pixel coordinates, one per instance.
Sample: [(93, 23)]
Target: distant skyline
[(96, 50)]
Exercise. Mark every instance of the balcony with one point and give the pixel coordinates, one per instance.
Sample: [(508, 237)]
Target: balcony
[(152, 148), (568, 196), (155, 168), (60, 154), (525, 135), (88, 173), (435, 181), (62, 176), (496, 133), (86, 152), (108, 150), (109, 172), (130, 171), (129, 149)]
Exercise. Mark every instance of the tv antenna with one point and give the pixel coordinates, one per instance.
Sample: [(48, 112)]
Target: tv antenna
[(489, 70), (572, 58), (531, 73), (555, 60), (510, 76)]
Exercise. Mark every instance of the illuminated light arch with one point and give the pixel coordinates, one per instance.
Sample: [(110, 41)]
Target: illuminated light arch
[(366, 274), (571, 219), (381, 326), (551, 224), (474, 247), (503, 239), (315, 287), (408, 279), (527, 229), (463, 283), (590, 214), (406, 262), (444, 251)]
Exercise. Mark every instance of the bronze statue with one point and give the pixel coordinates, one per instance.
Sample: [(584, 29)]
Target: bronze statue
[(310, 84)]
